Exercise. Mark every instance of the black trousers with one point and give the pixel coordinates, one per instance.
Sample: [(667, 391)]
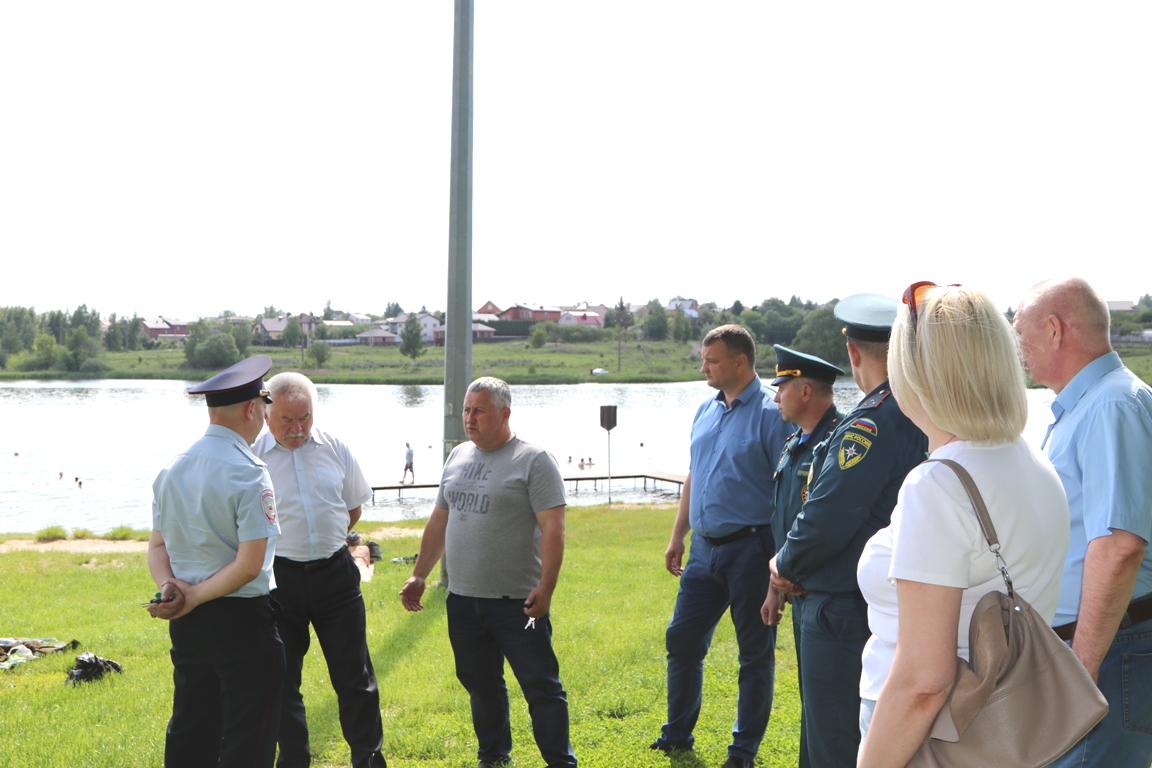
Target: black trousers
[(229, 672), (328, 598)]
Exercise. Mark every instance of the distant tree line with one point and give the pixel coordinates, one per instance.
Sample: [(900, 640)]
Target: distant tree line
[(74, 340), (56, 340)]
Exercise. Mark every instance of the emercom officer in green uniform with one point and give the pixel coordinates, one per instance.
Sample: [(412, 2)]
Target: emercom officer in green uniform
[(804, 393), (857, 474)]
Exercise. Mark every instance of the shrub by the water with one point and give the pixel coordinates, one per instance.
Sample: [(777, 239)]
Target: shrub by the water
[(51, 533)]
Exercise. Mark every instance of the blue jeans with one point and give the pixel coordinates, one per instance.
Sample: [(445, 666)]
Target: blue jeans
[(484, 632), (716, 578), (832, 630), (1123, 739)]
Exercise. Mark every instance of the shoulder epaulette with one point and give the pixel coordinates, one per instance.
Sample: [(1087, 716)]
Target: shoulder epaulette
[(875, 400), (249, 457)]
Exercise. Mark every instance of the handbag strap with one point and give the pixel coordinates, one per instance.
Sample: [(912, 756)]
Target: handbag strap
[(981, 515)]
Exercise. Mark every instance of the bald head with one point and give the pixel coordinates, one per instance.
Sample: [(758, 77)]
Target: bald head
[(1075, 302), (1063, 325)]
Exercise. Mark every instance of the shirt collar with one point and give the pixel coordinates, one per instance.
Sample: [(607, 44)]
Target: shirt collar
[(1083, 381), (745, 395), (218, 430)]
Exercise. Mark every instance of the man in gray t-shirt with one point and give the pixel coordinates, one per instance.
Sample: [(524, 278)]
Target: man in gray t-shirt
[(500, 515)]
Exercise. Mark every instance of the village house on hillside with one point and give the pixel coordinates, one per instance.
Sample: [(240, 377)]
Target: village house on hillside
[(584, 306), (428, 325), (378, 337), (269, 329), (164, 329), (488, 309), (688, 306), (480, 332), (593, 319), (531, 312)]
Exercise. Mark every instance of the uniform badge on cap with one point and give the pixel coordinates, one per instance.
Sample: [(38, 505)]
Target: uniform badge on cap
[(791, 364)]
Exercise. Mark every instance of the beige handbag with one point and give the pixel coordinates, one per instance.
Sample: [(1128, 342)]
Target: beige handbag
[(1024, 699)]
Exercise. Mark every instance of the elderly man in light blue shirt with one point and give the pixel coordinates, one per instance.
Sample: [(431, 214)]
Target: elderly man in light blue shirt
[(727, 502), (1100, 443)]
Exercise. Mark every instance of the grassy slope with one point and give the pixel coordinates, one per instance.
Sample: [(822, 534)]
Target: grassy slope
[(514, 361), (610, 613)]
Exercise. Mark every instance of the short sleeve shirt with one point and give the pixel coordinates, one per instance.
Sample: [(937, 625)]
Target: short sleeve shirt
[(316, 485), (492, 497), (208, 500), (1100, 446), (935, 538), (734, 451)]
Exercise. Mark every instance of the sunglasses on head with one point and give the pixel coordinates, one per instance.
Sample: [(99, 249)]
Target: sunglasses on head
[(914, 294)]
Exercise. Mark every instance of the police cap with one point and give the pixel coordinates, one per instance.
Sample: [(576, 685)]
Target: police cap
[(867, 316), (792, 364), (241, 382)]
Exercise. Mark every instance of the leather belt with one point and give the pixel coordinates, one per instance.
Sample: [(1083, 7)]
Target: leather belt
[(311, 565), (1139, 611), (747, 530)]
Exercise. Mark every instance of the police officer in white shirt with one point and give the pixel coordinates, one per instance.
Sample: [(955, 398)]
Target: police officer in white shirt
[(213, 540), (319, 492)]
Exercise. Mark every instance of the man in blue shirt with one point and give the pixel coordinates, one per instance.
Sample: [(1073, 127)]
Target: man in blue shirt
[(1100, 444), (727, 502)]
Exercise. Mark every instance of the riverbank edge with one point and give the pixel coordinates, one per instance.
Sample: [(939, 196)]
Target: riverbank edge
[(319, 377), (393, 529)]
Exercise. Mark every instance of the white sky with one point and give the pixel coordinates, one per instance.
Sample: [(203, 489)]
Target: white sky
[(186, 158)]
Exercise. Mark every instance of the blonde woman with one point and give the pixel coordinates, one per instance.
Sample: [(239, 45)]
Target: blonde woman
[(955, 371)]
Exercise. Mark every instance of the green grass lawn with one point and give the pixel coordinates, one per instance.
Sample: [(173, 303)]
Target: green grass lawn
[(1138, 358), (514, 361), (609, 616)]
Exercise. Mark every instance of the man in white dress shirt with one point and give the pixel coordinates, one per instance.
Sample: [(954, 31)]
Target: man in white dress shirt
[(319, 492)]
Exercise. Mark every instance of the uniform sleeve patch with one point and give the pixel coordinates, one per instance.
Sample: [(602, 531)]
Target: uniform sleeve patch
[(853, 449), (865, 425), (269, 499)]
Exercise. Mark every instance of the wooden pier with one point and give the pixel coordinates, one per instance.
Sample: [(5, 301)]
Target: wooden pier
[(657, 479)]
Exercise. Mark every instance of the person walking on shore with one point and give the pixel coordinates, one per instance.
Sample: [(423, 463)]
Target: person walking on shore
[(408, 456)]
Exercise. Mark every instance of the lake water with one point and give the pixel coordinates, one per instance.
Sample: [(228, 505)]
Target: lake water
[(116, 435)]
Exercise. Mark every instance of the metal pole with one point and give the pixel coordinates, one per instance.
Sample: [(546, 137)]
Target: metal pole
[(458, 333), (609, 469)]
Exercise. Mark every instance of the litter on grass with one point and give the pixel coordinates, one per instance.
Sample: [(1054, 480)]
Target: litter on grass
[(20, 650)]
